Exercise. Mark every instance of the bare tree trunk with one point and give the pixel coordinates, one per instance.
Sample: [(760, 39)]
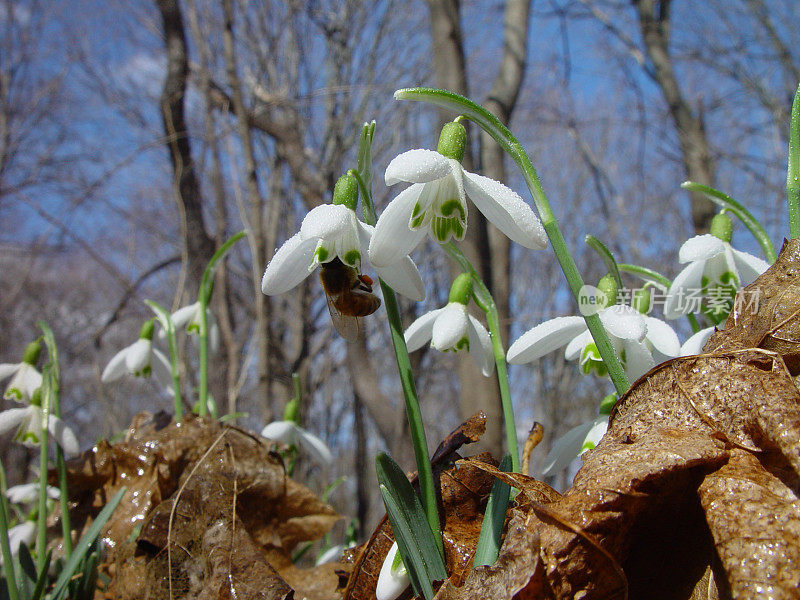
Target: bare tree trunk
[(655, 27), (256, 225), (198, 245)]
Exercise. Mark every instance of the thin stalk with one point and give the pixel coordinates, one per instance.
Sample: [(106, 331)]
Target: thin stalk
[(661, 281), (492, 125), (5, 547), (61, 467), (204, 297), (793, 169), (169, 328), (44, 436), (483, 298), (417, 430)]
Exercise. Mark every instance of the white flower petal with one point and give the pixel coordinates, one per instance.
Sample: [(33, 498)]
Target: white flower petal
[(318, 450), (624, 322), (420, 331), (450, 327), (8, 369), (544, 338), (25, 381), (566, 449), (213, 333), (186, 315), (289, 266), (161, 370), (749, 266), (138, 355), (115, 369), (390, 584), (29, 492), (684, 288), (662, 337), (700, 247), (506, 210), (281, 431), (578, 343), (392, 238), (695, 344), (638, 359), (480, 346), (404, 278), (417, 166), (13, 418), (598, 430), (326, 221), (332, 554), (62, 435), (24, 533)]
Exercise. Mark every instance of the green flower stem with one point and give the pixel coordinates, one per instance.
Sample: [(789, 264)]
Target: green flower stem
[(492, 125), (41, 519), (484, 299), (646, 274), (608, 258), (427, 486), (693, 322), (5, 547), (204, 296), (166, 323), (744, 215), (61, 467), (793, 170)]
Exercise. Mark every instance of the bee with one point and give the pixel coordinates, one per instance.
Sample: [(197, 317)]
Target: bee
[(349, 295)]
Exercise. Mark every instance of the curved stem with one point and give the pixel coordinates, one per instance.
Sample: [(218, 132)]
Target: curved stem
[(483, 298), (744, 215), (492, 125), (5, 548)]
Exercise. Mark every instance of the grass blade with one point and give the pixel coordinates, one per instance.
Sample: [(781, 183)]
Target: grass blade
[(493, 520)]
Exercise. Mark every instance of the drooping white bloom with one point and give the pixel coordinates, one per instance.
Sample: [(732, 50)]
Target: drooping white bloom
[(714, 271), (450, 329), (188, 317), (435, 204), (574, 443), (27, 493), (694, 345), (332, 554), (24, 533), (292, 434), (25, 379), (139, 359), (329, 231), (391, 581), (638, 340), (27, 422)]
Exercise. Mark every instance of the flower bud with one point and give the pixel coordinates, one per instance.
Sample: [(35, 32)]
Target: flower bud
[(292, 411), (642, 300), (461, 290), (608, 289), (32, 352), (722, 227), (452, 141), (345, 191)]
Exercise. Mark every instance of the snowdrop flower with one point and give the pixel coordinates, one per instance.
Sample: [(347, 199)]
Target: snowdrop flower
[(635, 337), (332, 554), (291, 434), (29, 492), (714, 273), (578, 439), (695, 344), (25, 379), (393, 578), (330, 231), (140, 359), (436, 203), (188, 317), (27, 422), (24, 533), (452, 328)]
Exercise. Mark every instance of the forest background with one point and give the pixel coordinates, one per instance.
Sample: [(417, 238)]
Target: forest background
[(136, 137)]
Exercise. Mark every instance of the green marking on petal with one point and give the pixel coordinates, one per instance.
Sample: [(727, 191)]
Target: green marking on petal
[(193, 328), (322, 254), (449, 207), (587, 445), (13, 393), (592, 362), (351, 257), (462, 344), (417, 217), (28, 436)]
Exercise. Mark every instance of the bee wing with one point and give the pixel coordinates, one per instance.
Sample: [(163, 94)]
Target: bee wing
[(346, 325)]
